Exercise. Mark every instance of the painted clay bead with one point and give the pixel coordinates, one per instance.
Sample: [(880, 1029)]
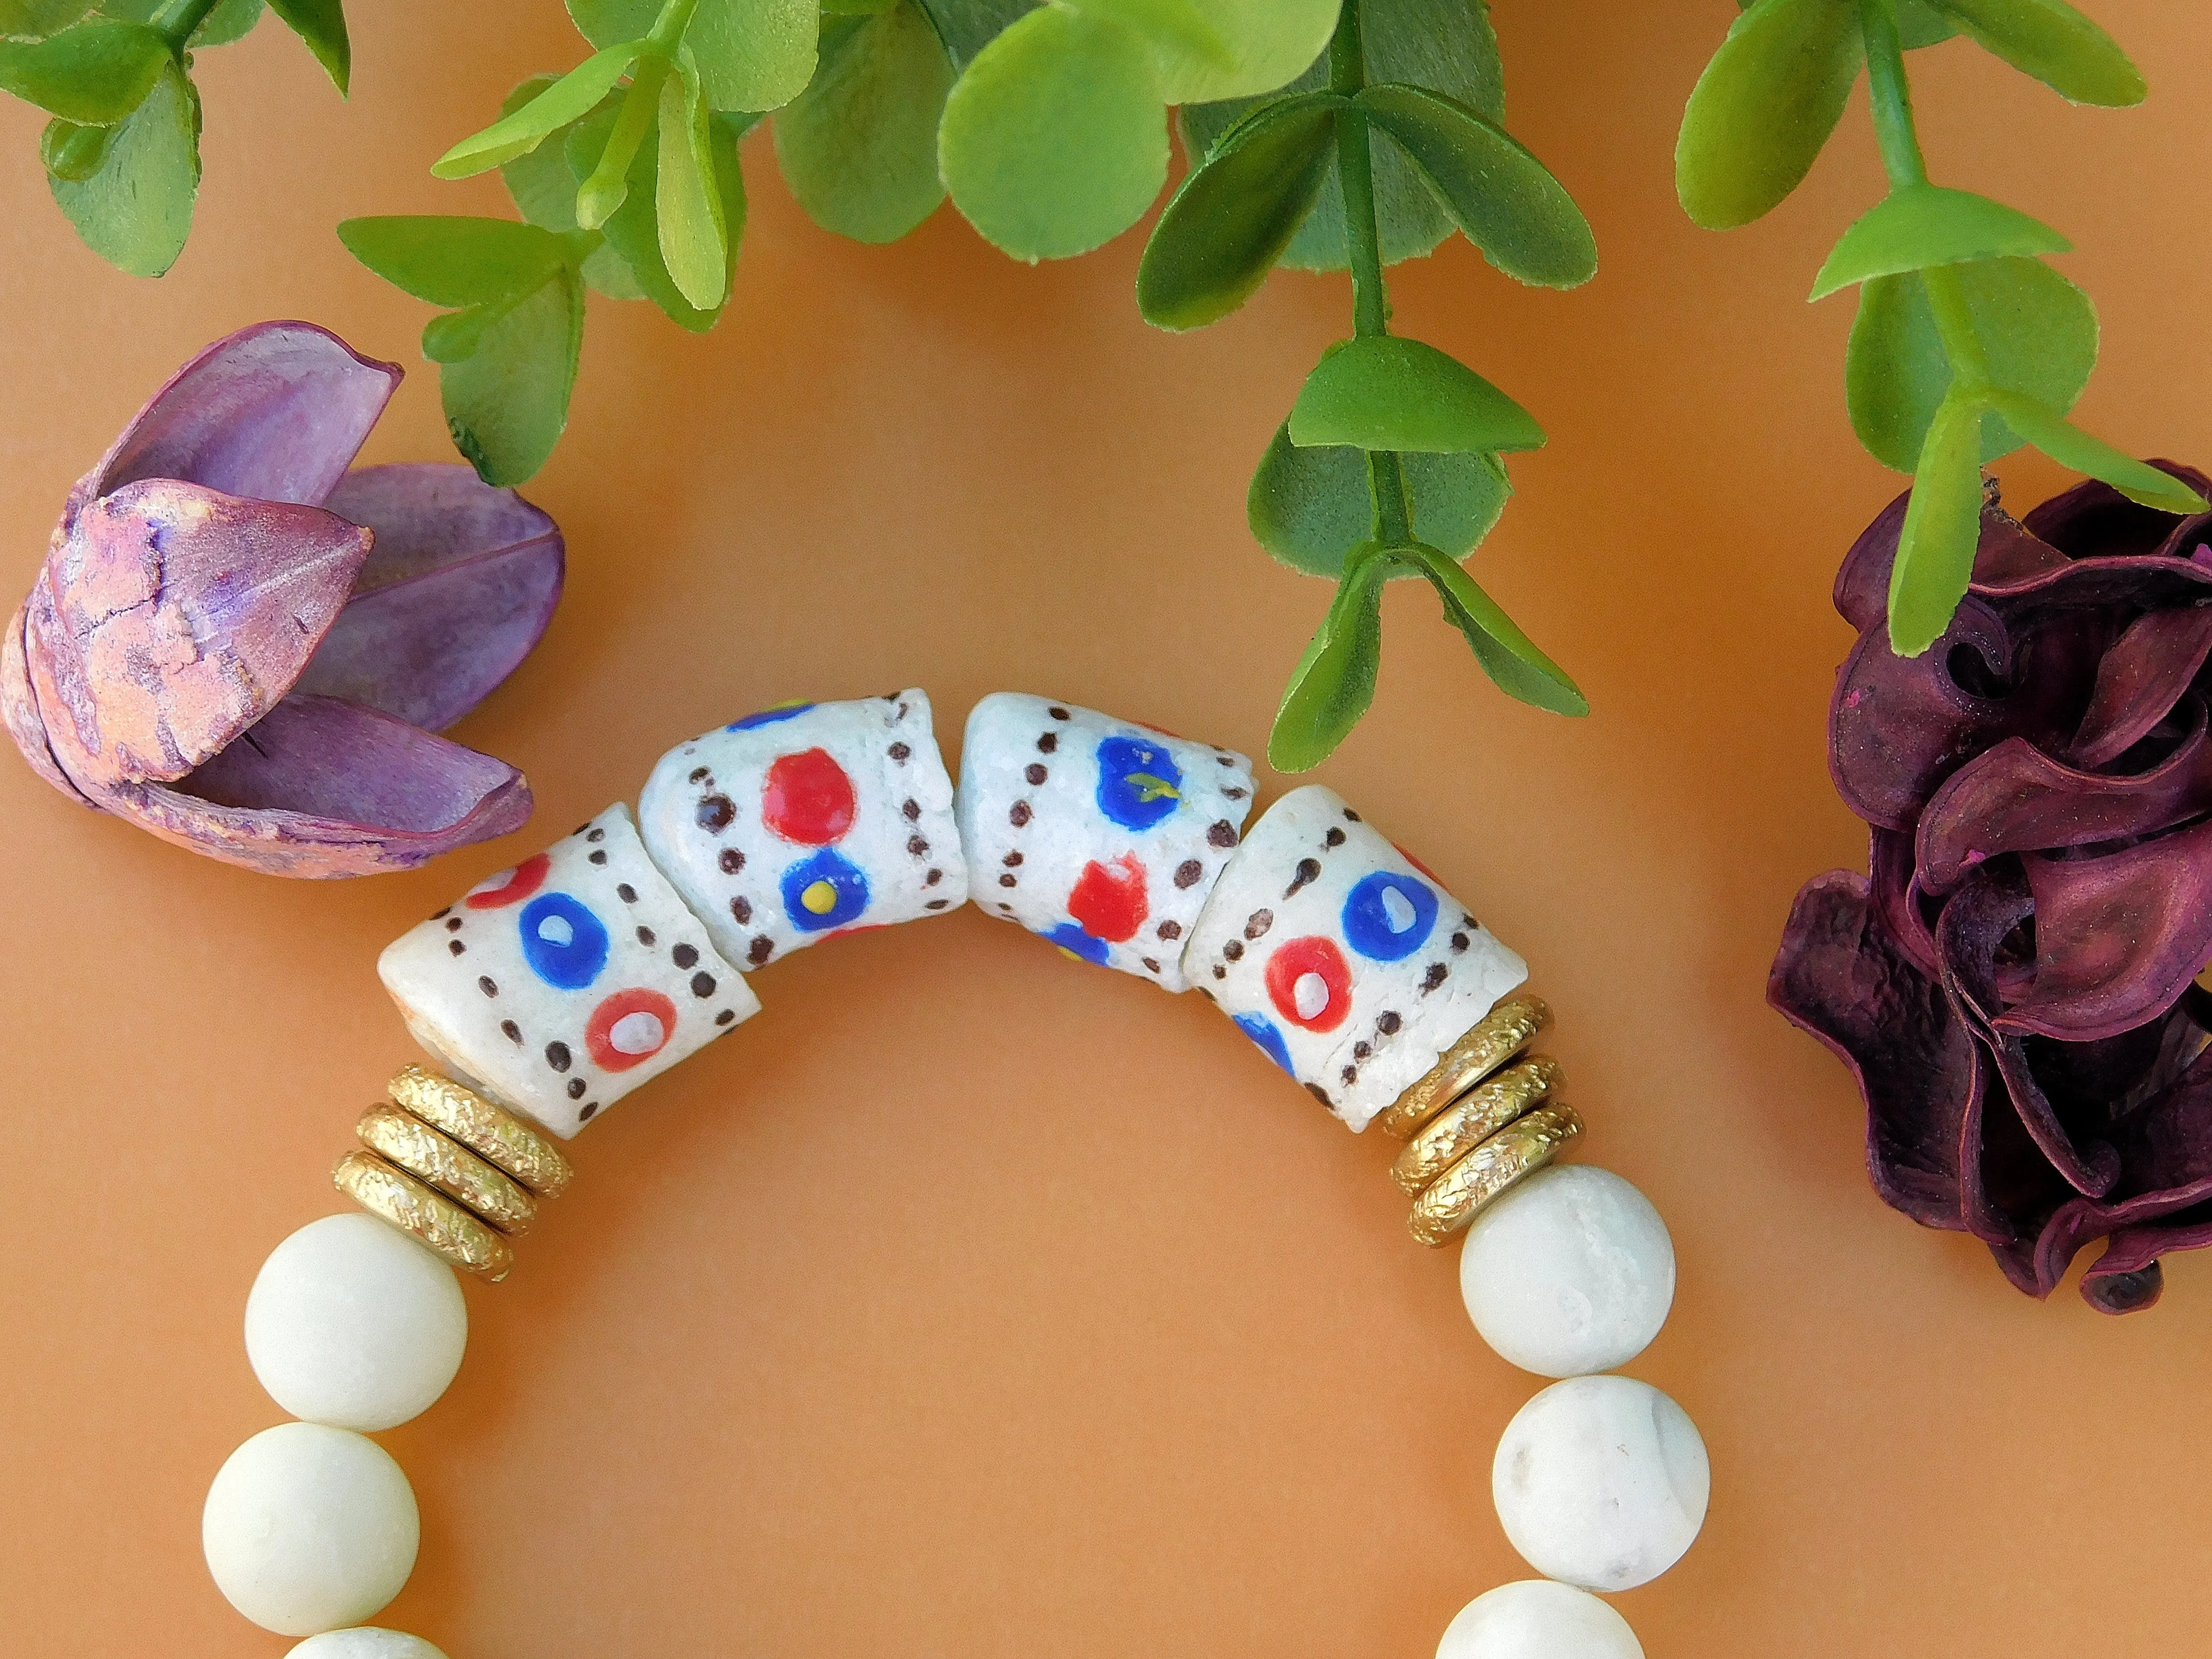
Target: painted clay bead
[(1351, 967), (1103, 835), (556, 988), (792, 826), (364, 1643), (309, 1528), (1601, 1481), (1568, 1274), (1536, 1619), (353, 1324)]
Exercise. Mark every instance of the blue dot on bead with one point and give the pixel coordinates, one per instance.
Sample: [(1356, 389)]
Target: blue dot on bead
[(1138, 784), (825, 891), (1264, 1032), (564, 944), (1076, 943), (1388, 916), (768, 717)]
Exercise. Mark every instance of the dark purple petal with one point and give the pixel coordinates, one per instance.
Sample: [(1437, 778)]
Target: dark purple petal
[(320, 788), (275, 412), (2117, 1291), (2006, 553), (1897, 897), (2094, 519), (171, 618), (458, 587), (2141, 678)]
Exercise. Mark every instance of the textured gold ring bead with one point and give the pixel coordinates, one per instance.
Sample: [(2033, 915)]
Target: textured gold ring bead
[(1515, 1152), (1471, 1119), (1495, 1038), (385, 1190), (492, 1132), (450, 1167)]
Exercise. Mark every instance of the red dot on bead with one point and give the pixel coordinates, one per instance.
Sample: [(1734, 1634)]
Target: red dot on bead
[(1299, 961), (629, 1027), (1108, 902), (510, 886), (807, 798)]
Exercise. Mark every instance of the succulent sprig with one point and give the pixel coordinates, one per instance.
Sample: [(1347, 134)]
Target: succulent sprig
[(1967, 344), (122, 153)]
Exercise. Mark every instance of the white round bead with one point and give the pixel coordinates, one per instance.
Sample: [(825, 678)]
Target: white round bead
[(1536, 1619), (363, 1643), (352, 1323), (309, 1528), (1570, 1273), (1602, 1482)]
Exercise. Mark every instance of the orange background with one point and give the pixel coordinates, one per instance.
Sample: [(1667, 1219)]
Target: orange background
[(968, 1302)]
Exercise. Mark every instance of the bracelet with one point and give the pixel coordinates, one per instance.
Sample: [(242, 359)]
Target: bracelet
[(551, 990)]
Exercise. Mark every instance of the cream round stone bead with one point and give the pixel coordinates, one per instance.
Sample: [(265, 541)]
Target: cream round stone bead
[(1602, 1482), (1568, 1274), (352, 1323), (364, 1643), (309, 1528), (1536, 1619)]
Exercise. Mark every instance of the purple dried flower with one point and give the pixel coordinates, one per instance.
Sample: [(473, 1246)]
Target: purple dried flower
[(246, 648)]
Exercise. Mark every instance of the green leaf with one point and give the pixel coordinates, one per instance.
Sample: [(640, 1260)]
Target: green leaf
[(2038, 333), (1225, 228), (1380, 391), (575, 95), (694, 243), (74, 153), (230, 19), (94, 73), (1764, 108), (2056, 43), (1942, 527), (1919, 225), (606, 270), (135, 209), (1919, 24), (455, 261), (1311, 507), (633, 232), (1333, 683), (322, 25), (538, 181), (965, 28), (859, 146), (1174, 29), (1266, 43), (34, 20), (1446, 46), (1054, 140), (506, 402), (2069, 446), (1503, 197), (1509, 656), (752, 54)]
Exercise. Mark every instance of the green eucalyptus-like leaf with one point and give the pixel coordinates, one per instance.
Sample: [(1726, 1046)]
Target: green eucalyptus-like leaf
[(1054, 140), (965, 28), (2037, 332), (70, 152), (1942, 527), (859, 146), (34, 20), (2056, 43), (94, 73), (1918, 23), (575, 95), (1379, 392), (538, 181), (1174, 29), (1503, 197), (1225, 228), (1310, 508), (229, 21), (507, 401), (135, 209), (1333, 683), (2069, 446), (1510, 657), (322, 25), (753, 55), (454, 261), (633, 232), (1919, 225), (1265, 44), (694, 241), (1764, 108)]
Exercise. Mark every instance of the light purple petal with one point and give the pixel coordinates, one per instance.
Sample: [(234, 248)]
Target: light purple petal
[(19, 706), (458, 589), (2140, 679)]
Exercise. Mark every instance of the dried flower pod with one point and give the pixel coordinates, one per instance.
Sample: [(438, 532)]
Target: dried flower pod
[(245, 647)]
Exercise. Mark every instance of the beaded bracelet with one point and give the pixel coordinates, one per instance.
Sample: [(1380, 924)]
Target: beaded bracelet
[(551, 990)]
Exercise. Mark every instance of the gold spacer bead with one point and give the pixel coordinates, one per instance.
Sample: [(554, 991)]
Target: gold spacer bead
[(431, 1217), (454, 1170), (493, 1133), (1515, 1152), (1471, 1119), (1498, 1035)]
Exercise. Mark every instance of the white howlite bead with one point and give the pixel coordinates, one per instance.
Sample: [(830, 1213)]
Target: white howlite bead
[(364, 1643), (352, 1323), (309, 1528), (1568, 1274), (1602, 1482), (1536, 1619)]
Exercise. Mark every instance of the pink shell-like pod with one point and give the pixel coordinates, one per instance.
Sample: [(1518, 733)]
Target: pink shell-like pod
[(246, 648)]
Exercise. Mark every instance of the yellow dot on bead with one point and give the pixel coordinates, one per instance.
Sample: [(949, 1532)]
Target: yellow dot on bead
[(820, 897), (1069, 954)]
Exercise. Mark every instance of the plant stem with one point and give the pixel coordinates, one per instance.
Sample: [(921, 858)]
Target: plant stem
[(1363, 246), (668, 27), (177, 20)]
